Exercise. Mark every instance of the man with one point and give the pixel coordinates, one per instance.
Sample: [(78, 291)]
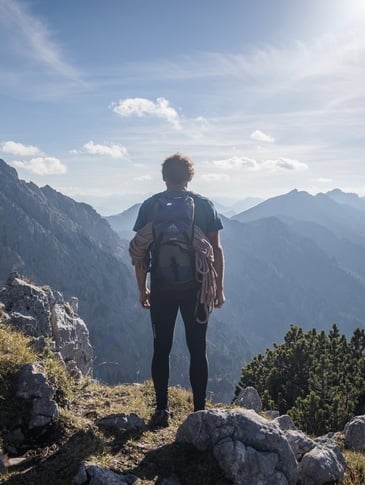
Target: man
[(192, 298)]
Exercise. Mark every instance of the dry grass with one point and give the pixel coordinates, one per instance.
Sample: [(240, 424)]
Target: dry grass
[(151, 454), (15, 351), (355, 473), (54, 457)]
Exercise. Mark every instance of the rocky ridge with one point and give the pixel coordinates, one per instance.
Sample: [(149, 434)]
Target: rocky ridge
[(248, 446), (44, 315)]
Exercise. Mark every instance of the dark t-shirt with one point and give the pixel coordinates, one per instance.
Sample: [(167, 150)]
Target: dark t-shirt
[(205, 215)]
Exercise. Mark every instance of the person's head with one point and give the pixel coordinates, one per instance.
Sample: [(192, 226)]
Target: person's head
[(177, 170)]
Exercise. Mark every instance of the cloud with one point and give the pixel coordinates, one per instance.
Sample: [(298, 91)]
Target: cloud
[(15, 148), (244, 163), (284, 164), (114, 151), (142, 178), (215, 177), (236, 162), (259, 135), (29, 37), (142, 107), (42, 166), (324, 180)]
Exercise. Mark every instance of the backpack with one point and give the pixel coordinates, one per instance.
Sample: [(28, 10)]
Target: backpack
[(172, 252)]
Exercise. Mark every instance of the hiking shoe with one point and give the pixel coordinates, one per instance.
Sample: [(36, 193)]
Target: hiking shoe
[(160, 418)]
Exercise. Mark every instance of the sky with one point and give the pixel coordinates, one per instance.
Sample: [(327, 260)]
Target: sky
[(263, 95)]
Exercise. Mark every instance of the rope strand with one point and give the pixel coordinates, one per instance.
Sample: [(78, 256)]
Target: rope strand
[(204, 264)]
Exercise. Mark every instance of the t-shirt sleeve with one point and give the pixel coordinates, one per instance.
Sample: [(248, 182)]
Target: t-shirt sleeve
[(142, 217), (214, 222)]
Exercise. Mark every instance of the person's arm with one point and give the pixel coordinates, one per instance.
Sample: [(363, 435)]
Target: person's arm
[(214, 240), (144, 292)]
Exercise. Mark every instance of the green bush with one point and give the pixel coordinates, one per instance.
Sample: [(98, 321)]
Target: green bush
[(316, 378)]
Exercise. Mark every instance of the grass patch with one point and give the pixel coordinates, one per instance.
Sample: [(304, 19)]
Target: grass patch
[(355, 472), (15, 351), (151, 455)]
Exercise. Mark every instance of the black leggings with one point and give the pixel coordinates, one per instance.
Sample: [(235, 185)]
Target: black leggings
[(164, 307)]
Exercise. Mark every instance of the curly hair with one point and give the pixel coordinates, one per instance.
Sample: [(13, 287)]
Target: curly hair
[(177, 169)]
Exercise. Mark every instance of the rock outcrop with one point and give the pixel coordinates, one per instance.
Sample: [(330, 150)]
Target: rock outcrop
[(249, 398), (95, 475), (43, 314), (33, 387), (355, 434), (251, 449)]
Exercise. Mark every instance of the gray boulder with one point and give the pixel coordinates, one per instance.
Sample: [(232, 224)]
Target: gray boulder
[(249, 398), (299, 442), (253, 450), (42, 313), (121, 422), (323, 464), (32, 386), (95, 475), (355, 434), (249, 449), (285, 422)]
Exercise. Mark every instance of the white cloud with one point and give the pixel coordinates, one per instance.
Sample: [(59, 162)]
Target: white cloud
[(236, 162), (114, 151), (284, 164), (142, 178), (215, 177), (324, 180), (259, 135), (145, 107), (30, 37), (15, 148), (244, 163), (42, 166)]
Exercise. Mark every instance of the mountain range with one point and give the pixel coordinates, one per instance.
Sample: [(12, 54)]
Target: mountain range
[(295, 258), (56, 241)]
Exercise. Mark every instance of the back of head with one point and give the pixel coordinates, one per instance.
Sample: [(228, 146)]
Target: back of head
[(177, 169)]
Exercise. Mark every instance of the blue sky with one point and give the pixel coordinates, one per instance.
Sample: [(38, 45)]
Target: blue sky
[(264, 95)]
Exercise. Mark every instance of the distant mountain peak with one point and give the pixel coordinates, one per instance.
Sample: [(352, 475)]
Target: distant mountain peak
[(7, 169)]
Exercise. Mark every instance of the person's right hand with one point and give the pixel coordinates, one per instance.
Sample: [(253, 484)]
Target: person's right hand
[(144, 298)]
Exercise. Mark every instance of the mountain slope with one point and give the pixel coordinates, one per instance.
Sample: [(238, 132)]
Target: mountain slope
[(276, 276), (59, 242), (123, 223), (343, 220), (54, 240), (350, 199)]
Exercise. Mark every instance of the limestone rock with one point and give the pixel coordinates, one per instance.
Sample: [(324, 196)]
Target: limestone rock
[(121, 422), (355, 433), (44, 411), (250, 449), (43, 314), (253, 450), (285, 422), (32, 383), (33, 386), (299, 442), (95, 475), (322, 465), (249, 398)]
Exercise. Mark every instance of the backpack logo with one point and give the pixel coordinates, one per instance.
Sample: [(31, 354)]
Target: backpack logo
[(173, 255)]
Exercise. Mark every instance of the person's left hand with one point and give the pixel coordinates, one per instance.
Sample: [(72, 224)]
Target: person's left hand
[(219, 298)]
